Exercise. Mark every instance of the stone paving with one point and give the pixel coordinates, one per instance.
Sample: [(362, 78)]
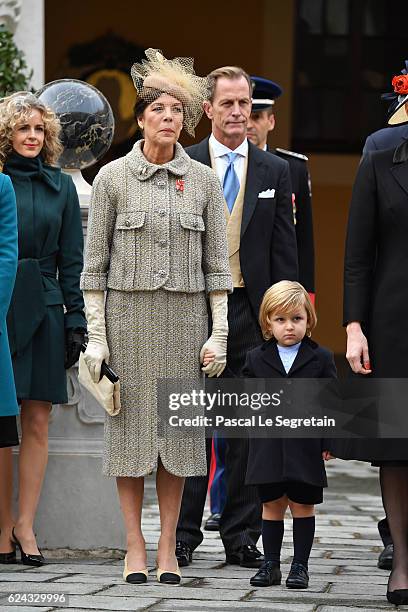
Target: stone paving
[(343, 571)]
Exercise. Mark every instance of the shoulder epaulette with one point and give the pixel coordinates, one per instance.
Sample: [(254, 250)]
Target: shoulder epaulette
[(292, 154)]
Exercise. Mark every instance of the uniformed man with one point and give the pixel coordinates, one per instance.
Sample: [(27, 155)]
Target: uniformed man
[(261, 122)]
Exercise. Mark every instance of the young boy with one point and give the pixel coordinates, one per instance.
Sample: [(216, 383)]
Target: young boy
[(287, 471)]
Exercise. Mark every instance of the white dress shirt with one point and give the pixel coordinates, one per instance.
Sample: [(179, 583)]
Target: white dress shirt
[(288, 355), (220, 151)]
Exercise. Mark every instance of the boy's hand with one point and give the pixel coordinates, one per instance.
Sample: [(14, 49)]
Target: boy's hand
[(209, 357), (327, 455)]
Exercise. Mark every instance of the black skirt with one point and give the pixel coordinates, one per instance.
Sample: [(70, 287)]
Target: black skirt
[(8, 431)]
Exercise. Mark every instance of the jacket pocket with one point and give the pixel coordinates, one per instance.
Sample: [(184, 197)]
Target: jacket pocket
[(130, 220), (192, 221), (193, 228), (130, 236)]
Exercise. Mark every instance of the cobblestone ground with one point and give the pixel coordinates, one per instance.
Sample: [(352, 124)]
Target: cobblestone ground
[(343, 571)]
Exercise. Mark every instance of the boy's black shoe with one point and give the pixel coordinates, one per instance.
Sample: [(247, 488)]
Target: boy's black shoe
[(184, 554), (298, 577), (268, 574)]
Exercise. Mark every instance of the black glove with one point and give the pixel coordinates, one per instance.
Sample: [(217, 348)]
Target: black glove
[(73, 340)]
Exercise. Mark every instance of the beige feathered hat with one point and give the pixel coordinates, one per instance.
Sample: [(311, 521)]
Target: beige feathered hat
[(175, 77)]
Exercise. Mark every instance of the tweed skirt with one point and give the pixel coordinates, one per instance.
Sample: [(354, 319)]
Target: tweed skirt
[(152, 335)]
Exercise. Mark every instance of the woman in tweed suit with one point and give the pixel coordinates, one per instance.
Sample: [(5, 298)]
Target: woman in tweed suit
[(156, 244)]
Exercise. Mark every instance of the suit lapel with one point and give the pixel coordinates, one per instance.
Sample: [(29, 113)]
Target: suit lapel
[(202, 152), (255, 175), (270, 354), (400, 173), (305, 354), (399, 170)]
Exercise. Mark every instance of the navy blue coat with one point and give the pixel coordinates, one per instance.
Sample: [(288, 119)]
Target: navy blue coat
[(387, 138), (275, 460), (375, 280), (8, 268)]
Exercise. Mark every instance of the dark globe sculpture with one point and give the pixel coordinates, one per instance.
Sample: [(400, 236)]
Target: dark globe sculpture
[(86, 119)]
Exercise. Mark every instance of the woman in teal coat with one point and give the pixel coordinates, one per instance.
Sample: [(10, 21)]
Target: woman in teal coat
[(8, 267), (45, 321)]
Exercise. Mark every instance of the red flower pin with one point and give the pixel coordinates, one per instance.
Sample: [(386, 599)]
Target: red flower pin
[(180, 185), (400, 83)]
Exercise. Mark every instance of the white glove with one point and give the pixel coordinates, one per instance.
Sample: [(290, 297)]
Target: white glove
[(97, 349), (217, 342)]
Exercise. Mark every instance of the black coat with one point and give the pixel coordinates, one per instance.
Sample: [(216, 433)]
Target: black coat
[(387, 138), (268, 250), (299, 175), (375, 277), (287, 459)]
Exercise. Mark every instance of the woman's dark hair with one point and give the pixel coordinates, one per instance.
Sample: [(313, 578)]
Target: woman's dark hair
[(148, 96)]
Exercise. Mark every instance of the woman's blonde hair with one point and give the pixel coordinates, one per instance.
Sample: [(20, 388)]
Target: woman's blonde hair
[(285, 297), (16, 109)]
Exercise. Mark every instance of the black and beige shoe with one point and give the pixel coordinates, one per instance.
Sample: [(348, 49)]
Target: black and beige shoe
[(134, 577), (167, 577)]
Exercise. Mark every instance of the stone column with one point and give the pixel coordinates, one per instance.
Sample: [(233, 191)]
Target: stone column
[(26, 21)]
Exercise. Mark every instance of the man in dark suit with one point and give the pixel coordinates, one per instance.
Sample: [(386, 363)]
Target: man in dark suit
[(262, 251), (260, 124)]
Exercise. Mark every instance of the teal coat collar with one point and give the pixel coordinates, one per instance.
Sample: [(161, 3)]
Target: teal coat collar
[(33, 167)]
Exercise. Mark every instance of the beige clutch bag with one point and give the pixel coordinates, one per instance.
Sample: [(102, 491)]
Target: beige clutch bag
[(105, 392)]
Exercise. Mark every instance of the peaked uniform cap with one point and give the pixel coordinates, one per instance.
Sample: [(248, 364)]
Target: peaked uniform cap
[(264, 93)]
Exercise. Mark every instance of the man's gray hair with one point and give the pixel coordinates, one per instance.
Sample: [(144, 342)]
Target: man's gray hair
[(226, 72)]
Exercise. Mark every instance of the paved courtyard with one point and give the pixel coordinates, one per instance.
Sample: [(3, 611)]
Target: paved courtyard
[(343, 571)]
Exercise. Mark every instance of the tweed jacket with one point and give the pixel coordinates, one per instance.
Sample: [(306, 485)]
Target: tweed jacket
[(156, 226)]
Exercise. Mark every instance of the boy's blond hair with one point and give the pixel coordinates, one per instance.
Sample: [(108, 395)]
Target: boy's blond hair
[(285, 297)]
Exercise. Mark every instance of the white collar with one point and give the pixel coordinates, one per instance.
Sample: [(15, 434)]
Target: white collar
[(289, 349), (219, 149)]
